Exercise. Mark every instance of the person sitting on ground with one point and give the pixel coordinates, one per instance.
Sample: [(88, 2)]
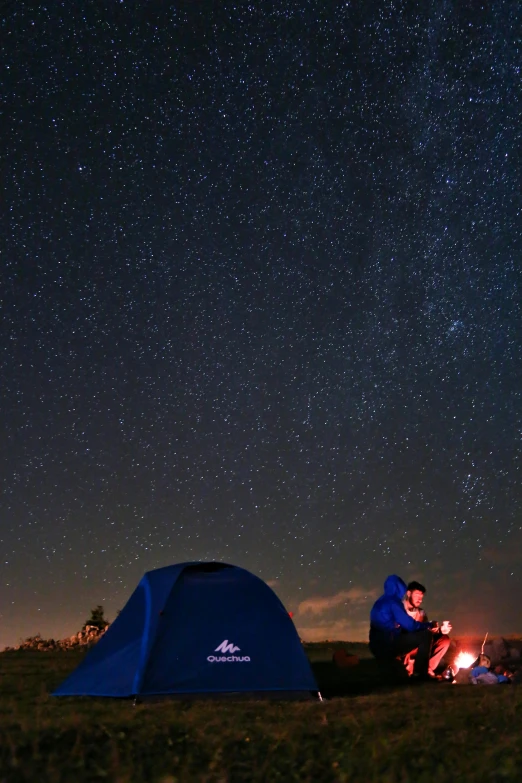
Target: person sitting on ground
[(482, 674), (394, 633), (440, 642)]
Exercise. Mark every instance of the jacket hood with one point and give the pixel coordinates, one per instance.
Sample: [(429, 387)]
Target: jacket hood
[(395, 587)]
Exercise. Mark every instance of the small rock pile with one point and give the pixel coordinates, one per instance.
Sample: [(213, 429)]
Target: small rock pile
[(84, 638)]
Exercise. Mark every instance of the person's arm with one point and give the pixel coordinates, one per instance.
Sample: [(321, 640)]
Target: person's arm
[(402, 618), (433, 623)]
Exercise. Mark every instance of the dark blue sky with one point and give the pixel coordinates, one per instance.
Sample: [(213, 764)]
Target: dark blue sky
[(261, 303)]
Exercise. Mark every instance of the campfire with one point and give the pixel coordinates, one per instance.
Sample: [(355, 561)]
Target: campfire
[(464, 660)]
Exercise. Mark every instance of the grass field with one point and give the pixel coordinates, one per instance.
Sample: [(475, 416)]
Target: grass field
[(370, 728)]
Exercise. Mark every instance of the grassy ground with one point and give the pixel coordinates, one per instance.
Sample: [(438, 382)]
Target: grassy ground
[(369, 729)]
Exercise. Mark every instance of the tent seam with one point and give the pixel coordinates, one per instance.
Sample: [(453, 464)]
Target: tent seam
[(140, 671)]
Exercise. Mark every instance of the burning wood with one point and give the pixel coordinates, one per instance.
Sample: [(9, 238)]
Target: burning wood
[(464, 660)]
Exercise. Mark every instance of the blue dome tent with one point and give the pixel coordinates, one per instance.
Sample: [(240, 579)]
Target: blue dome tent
[(197, 629)]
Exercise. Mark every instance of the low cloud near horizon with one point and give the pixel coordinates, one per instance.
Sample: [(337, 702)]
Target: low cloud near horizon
[(335, 630), (319, 605), (342, 615)]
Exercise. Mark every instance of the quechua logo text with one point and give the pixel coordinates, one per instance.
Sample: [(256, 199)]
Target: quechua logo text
[(228, 648)]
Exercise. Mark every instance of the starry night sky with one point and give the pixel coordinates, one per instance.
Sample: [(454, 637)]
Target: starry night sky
[(261, 303)]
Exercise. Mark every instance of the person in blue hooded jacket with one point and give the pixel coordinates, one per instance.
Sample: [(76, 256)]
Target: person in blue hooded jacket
[(393, 632)]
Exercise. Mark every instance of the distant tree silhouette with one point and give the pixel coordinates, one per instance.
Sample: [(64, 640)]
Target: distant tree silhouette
[(97, 619)]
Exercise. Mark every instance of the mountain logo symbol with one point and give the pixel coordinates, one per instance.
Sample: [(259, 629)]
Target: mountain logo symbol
[(226, 647)]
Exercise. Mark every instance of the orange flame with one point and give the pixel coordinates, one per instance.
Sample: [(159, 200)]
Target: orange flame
[(464, 660)]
